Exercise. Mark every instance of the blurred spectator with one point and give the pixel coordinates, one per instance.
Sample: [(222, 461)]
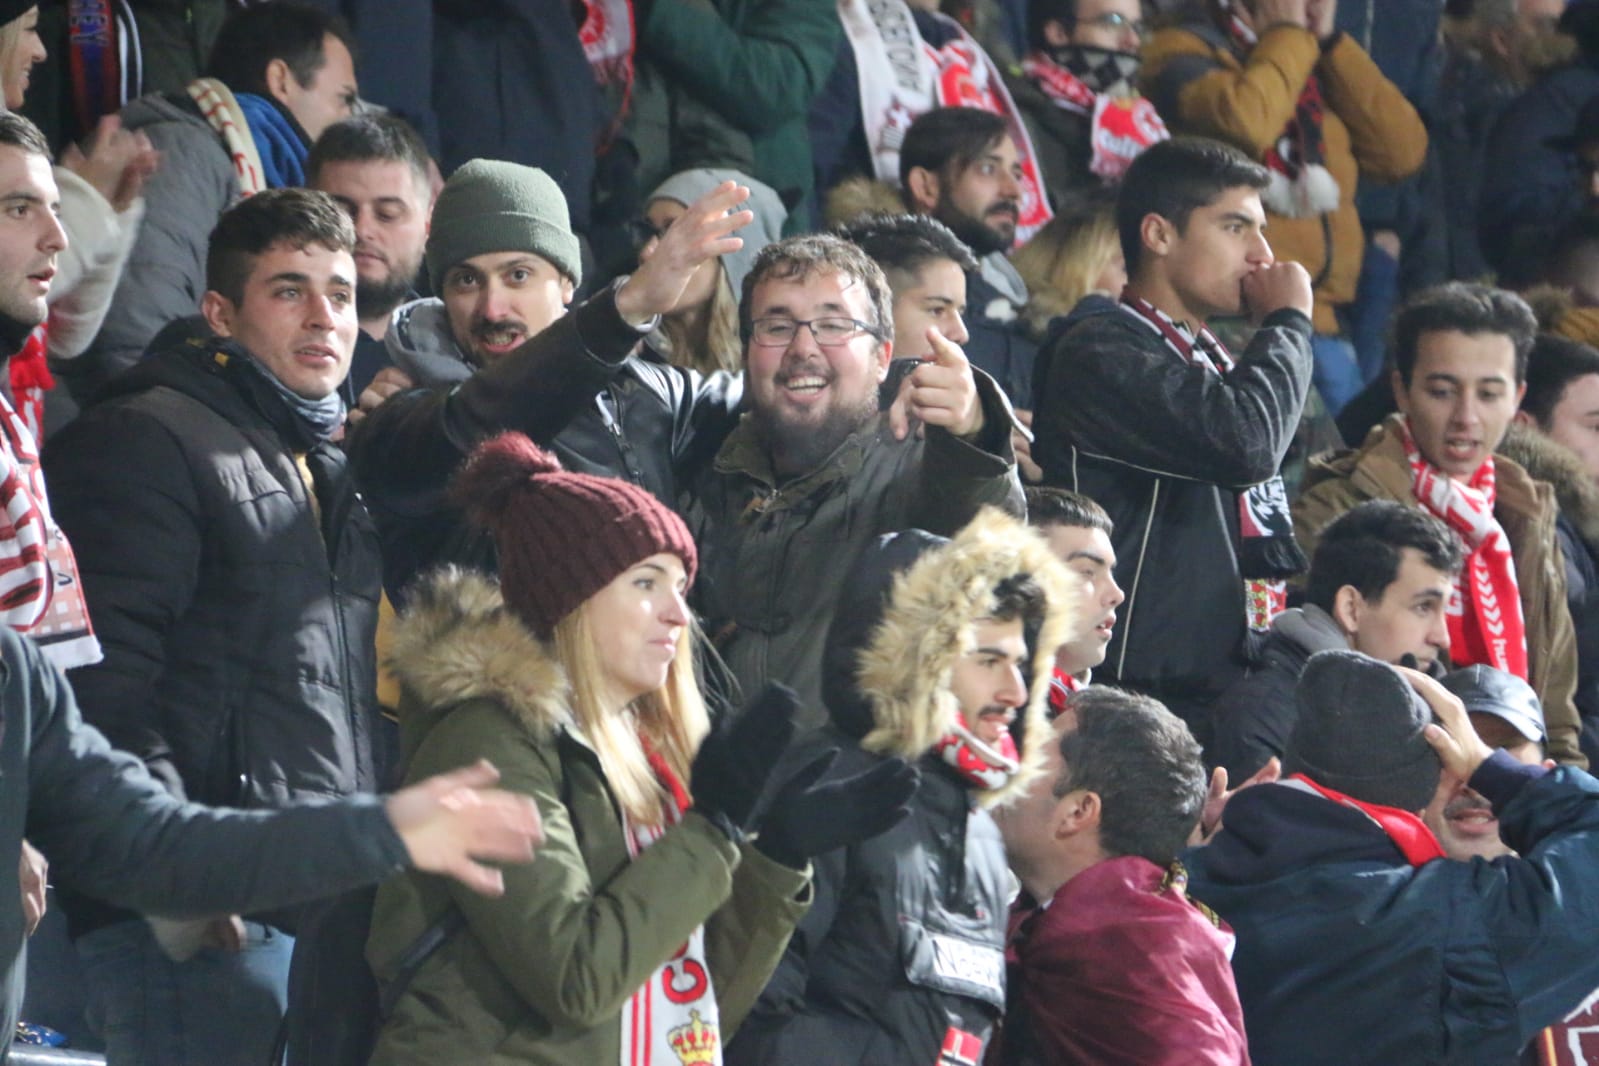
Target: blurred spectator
[(701, 333), (279, 75), (1079, 533), (1077, 254), (1460, 356), (1141, 409), (1076, 92), (1379, 583), (1107, 958), (939, 654), (1274, 78), (813, 472)]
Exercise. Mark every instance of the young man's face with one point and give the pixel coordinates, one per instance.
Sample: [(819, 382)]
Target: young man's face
[(1091, 559), (497, 300), (1110, 24), (389, 203), (30, 234), (1461, 397), (1408, 618), (1574, 421), (330, 95), (297, 317), (933, 295), (1223, 243), (987, 681), (982, 203)]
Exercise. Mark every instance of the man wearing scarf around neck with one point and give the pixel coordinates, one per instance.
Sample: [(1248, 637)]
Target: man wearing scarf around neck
[(1275, 79), (233, 574), (1460, 357)]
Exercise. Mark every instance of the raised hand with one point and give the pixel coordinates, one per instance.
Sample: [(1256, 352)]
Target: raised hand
[(1274, 287), (116, 162), (452, 823), (805, 819), (940, 392), (702, 232), (1216, 799), (1453, 737)]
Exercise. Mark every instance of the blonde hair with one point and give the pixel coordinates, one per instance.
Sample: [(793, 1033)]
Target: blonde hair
[(715, 344), (672, 719), (10, 42), (1062, 262)]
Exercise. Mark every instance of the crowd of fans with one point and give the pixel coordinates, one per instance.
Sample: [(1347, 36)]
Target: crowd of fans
[(993, 531)]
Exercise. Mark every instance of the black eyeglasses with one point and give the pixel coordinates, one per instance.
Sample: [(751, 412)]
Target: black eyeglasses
[(642, 231), (780, 332), (1115, 20)]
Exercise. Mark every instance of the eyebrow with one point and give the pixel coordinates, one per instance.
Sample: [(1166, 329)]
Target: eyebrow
[(305, 279), (1431, 594), (992, 650), (828, 310), (22, 197), (1454, 379), (1093, 557), (1244, 217)]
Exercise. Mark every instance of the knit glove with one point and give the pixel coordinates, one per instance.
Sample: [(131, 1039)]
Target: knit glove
[(738, 756), (806, 819)]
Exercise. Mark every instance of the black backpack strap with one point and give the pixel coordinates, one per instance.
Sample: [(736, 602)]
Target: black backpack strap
[(418, 952)]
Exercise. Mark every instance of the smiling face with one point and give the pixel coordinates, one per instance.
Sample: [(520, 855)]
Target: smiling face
[(296, 318), (987, 681), (497, 300), (30, 234), (637, 621), (1462, 820), (18, 60), (388, 202), (1461, 398), (1090, 558)]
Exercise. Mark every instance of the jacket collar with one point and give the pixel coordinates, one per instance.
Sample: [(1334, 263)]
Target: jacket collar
[(1575, 490)]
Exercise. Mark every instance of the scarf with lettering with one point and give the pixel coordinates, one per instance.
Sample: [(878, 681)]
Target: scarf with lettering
[(1491, 630), (1084, 81), (1409, 833), (1267, 553)]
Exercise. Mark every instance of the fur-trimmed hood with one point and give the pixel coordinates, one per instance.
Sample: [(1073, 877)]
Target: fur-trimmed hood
[(854, 197), (1575, 489), (906, 618), (457, 641)]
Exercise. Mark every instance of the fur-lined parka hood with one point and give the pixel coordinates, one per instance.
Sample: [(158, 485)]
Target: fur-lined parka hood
[(1547, 460), (907, 617), (457, 641), (854, 197)]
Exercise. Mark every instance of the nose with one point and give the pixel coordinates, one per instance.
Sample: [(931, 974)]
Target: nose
[(1010, 187), (675, 610), (1113, 592), (1438, 632), (1260, 252), (492, 304), (366, 223), (957, 330), (320, 313), (1013, 691), (1130, 41), (54, 238)]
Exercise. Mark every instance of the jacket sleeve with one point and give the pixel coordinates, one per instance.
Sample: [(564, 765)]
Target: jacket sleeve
[(1386, 134), (1247, 107), (1113, 390), (573, 948), (708, 408), (957, 477), (746, 937), (135, 528), (760, 74), (1553, 642), (99, 241)]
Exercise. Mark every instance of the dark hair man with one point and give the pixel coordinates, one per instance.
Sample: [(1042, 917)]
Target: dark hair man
[(1144, 411), (233, 576), (1379, 583), (1079, 533), (1108, 959), (1460, 357), (926, 267), (279, 74)]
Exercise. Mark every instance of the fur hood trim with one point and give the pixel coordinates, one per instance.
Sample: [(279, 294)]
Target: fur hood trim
[(854, 197), (905, 668), (457, 641), (1544, 459)]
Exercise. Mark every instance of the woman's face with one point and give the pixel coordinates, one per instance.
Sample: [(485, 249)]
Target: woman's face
[(637, 621), (701, 286), (19, 60)]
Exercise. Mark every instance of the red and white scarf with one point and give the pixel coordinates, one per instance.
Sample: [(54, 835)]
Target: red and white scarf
[(1492, 631), (1263, 514), (1061, 687), (902, 76), (609, 40), (1120, 127), (672, 1020), (1409, 833), (987, 766), (217, 104)]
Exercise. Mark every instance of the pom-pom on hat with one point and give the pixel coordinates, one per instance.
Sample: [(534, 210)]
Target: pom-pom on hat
[(561, 536)]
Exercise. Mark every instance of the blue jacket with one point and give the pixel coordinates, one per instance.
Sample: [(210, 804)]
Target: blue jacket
[(1346, 953)]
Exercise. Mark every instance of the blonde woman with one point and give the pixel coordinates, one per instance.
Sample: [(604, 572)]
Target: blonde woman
[(1078, 252)]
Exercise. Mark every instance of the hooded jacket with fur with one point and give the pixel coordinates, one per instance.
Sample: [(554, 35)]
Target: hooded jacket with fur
[(904, 943)]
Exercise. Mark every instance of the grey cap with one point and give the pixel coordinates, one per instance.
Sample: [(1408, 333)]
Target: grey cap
[(1359, 731), (1486, 690)]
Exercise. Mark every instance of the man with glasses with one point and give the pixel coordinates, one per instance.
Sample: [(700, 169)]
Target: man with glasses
[(814, 473), (1075, 90)]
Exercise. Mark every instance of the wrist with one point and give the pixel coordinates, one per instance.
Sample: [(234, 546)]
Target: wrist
[(630, 305)]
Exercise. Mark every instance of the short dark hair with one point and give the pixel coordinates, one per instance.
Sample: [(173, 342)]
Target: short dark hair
[(947, 140), (18, 132), (800, 258), (1463, 307), (1145, 766), (1047, 506), (1172, 179), (904, 243), (1364, 546), (283, 29), (1019, 596), (369, 139), (1553, 364), (1041, 13), (293, 216)]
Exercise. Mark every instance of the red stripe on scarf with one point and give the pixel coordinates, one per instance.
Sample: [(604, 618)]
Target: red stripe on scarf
[(1409, 833)]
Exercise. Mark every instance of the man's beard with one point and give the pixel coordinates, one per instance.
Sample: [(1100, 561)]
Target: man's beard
[(376, 299), (981, 238), (799, 449)]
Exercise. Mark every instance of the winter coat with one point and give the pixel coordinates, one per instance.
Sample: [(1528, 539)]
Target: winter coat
[(1253, 718), (905, 940), (1165, 447), (237, 614), (1379, 470), (1121, 967), (1201, 86), (572, 387), (542, 973), (1347, 953), (114, 833), (774, 553)]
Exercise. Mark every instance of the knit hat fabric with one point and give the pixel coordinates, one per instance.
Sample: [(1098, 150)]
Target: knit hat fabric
[(561, 536), (489, 205), (1359, 731), (11, 10)]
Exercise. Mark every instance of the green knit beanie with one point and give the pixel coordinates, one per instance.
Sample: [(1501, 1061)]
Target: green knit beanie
[(493, 206)]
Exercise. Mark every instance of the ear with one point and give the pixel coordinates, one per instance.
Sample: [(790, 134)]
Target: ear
[(885, 355), (1524, 418), (219, 312), (1401, 394), (279, 78), (567, 291), (923, 186), (1077, 812), (1055, 34), (1347, 605), (1521, 394), (1157, 234)]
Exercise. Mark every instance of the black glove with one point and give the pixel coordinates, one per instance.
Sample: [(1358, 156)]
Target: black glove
[(805, 819), (738, 756)]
